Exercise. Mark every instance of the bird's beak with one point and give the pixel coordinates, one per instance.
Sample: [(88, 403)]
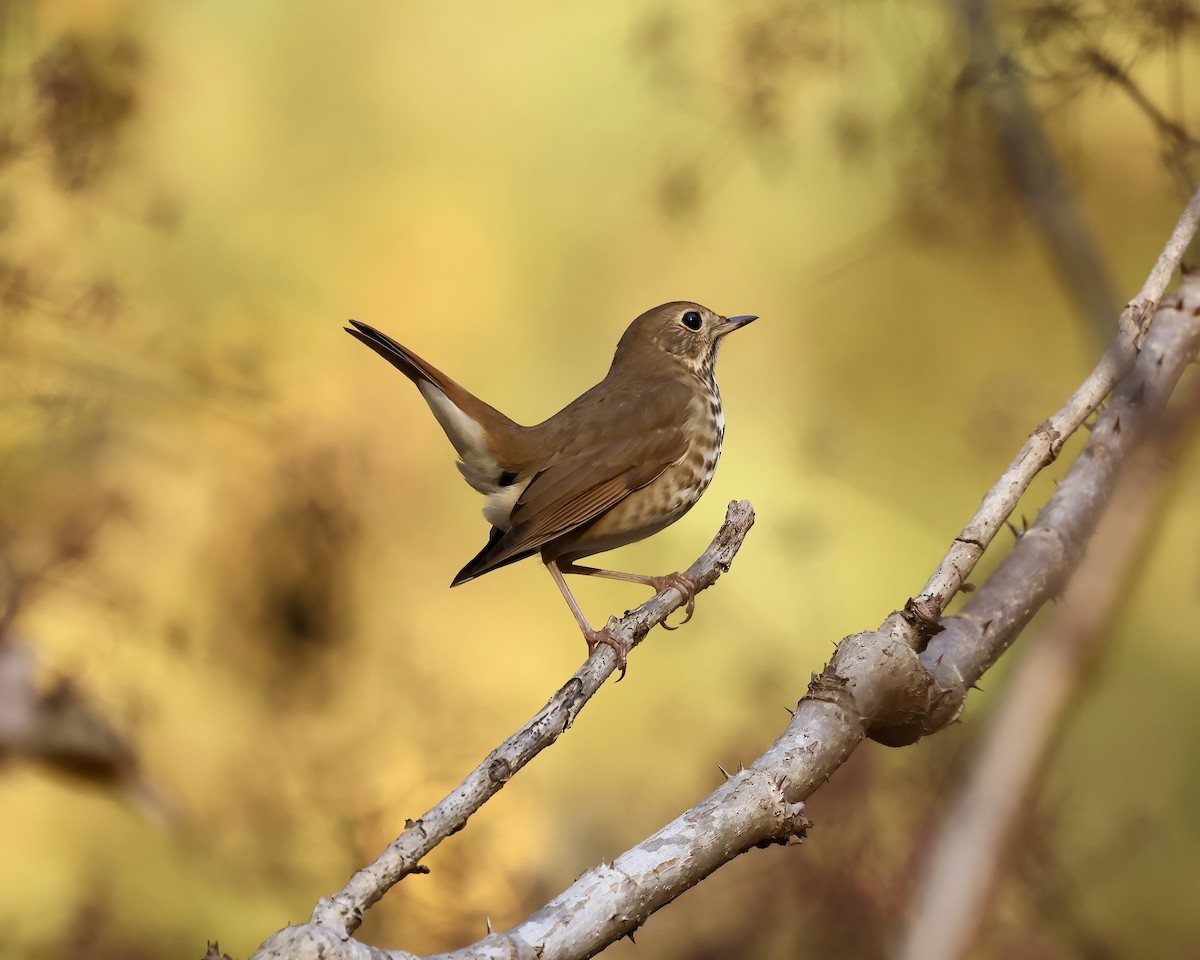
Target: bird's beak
[(733, 323)]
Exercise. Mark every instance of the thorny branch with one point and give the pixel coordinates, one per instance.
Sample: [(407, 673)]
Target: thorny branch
[(894, 684), (1045, 443), (1037, 568), (951, 898)]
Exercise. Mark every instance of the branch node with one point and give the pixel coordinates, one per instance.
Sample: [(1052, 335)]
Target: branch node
[(1053, 437), (793, 828), (924, 615), (828, 687)]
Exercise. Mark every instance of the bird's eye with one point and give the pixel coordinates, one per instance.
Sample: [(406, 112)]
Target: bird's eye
[(692, 320)]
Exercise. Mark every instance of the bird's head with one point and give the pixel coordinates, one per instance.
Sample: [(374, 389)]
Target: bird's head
[(683, 331)]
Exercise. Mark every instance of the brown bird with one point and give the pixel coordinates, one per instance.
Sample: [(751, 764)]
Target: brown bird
[(623, 461)]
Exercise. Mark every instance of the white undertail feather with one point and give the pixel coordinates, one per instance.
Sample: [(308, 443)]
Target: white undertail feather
[(477, 463), (499, 507)]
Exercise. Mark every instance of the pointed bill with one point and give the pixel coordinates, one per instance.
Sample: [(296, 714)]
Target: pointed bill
[(729, 324)]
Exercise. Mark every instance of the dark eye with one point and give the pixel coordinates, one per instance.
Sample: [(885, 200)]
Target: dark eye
[(692, 320)]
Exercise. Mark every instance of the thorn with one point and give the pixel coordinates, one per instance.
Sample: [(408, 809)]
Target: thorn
[(1015, 532), (489, 924), (790, 711), (724, 771), (1117, 426), (630, 936)]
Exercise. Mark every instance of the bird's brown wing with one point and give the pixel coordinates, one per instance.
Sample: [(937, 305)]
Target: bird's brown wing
[(603, 460)]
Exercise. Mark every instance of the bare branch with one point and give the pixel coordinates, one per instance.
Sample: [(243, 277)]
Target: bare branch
[(1045, 443), (1037, 568), (951, 899), (344, 910)]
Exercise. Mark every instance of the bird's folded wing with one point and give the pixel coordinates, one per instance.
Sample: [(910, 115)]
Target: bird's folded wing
[(585, 489), (595, 468)]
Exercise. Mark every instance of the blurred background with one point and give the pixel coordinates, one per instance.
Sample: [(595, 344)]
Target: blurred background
[(227, 530)]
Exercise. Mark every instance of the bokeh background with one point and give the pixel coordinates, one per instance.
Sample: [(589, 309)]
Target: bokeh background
[(228, 530)]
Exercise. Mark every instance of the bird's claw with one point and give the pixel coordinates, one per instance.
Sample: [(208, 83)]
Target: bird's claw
[(609, 639), (687, 590)]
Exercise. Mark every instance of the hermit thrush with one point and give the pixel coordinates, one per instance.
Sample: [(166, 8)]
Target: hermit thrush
[(620, 463)]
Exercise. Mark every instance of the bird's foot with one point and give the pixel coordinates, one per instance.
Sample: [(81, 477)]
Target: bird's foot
[(609, 638), (687, 590)]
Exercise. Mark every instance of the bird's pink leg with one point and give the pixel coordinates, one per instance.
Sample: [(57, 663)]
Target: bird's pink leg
[(592, 637), (670, 581)]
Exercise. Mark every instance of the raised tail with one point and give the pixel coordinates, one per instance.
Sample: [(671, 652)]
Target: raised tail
[(488, 442)]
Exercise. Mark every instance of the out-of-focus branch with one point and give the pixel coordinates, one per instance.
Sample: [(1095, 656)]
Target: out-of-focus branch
[(343, 911), (876, 684), (1044, 444), (969, 852), (1107, 67), (1180, 149), (56, 727), (1035, 168)]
